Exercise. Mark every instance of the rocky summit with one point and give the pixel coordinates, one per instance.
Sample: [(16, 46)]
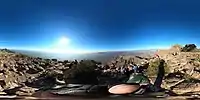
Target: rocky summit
[(24, 75), (183, 63)]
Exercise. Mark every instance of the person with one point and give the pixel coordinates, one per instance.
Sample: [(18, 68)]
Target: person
[(139, 83), (135, 68), (156, 55), (122, 70), (126, 71)]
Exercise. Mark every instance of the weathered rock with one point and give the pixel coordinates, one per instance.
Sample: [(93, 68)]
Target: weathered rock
[(189, 47), (184, 66), (187, 87), (25, 91), (3, 93), (15, 69), (58, 72), (11, 91), (55, 60)]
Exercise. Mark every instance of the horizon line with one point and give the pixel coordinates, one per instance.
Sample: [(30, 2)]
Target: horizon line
[(47, 50)]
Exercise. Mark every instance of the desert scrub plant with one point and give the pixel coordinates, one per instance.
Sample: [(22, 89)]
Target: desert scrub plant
[(188, 77), (82, 73), (152, 70), (197, 59)]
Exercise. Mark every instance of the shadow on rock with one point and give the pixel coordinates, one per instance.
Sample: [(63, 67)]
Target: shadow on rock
[(43, 82)]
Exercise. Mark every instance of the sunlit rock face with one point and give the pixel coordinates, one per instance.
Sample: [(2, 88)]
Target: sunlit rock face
[(23, 75), (183, 63)]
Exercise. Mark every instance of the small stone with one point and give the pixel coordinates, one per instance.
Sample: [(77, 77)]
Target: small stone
[(26, 91), (3, 93), (1, 88)]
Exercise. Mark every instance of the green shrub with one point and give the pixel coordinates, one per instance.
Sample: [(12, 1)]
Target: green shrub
[(197, 59), (187, 77), (152, 70), (82, 73)]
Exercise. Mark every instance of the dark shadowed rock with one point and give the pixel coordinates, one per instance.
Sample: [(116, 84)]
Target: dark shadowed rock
[(7, 50), (65, 61), (24, 91), (12, 91), (189, 47), (32, 71), (54, 60), (44, 81)]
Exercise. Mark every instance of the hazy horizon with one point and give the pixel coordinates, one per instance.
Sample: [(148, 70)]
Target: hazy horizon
[(88, 52), (98, 56)]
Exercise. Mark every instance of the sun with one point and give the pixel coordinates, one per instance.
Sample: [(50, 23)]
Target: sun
[(64, 45), (63, 41)]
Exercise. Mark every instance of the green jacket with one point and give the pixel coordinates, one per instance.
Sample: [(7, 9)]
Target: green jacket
[(139, 78)]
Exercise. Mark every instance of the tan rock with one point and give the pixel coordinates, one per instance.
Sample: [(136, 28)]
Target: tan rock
[(3, 93), (25, 91)]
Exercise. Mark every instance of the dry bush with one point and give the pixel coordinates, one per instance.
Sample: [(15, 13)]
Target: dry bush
[(152, 70)]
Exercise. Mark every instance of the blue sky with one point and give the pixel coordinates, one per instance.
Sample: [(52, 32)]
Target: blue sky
[(96, 25)]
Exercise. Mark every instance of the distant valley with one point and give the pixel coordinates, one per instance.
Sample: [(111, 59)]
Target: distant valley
[(99, 56)]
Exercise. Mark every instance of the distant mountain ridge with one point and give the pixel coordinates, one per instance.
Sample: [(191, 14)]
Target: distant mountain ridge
[(98, 56)]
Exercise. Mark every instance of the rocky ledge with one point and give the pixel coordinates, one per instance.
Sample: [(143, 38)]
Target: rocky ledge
[(23, 75)]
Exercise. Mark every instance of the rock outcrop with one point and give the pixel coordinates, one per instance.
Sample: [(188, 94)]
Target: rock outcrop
[(19, 74), (183, 64), (182, 67), (189, 48)]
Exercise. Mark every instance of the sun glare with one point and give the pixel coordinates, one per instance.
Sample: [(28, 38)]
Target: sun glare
[(63, 41), (63, 45)]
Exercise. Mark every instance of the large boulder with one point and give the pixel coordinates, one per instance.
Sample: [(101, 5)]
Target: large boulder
[(176, 47), (189, 47)]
